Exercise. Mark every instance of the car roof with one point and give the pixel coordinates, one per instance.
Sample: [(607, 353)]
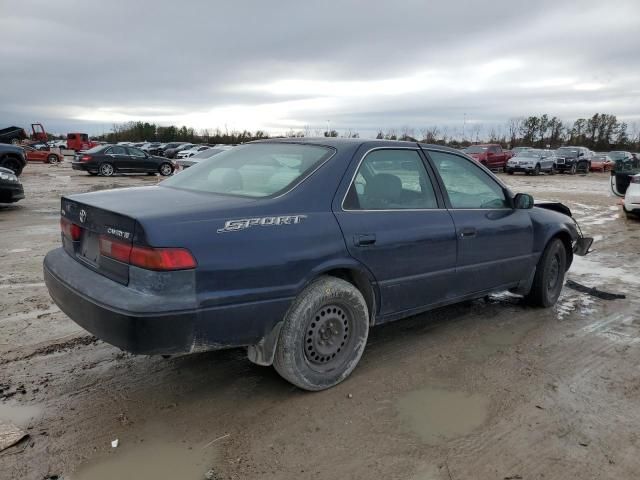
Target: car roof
[(337, 143)]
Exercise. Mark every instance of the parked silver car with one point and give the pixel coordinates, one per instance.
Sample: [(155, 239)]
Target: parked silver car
[(199, 157), (532, 162)]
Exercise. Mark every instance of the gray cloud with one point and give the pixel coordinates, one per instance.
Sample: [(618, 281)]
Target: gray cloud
[(363, 65)]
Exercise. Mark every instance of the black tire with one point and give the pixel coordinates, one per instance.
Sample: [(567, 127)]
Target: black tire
[(165, 169), (536, 170), (323, 335), (549, 277), (12, 164), (574, 169), (52, 159), (509, 172), (552, 170), (106, 169)]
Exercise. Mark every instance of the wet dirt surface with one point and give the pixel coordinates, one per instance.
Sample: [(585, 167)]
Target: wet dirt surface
[(487, 389)]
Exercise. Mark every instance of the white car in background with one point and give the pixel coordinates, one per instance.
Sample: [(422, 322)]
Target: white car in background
[(632, 197), (192, 151), (204, 155)]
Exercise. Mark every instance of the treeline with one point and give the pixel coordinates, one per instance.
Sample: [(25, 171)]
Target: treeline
[(601, 132), (150, 132)]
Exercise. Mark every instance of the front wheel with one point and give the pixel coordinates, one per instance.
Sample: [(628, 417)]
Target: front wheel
[(165, 169), (106, 170), (52, 159), (574, 169), (323, 335), (536, 170), (549, 276), (12, 164)]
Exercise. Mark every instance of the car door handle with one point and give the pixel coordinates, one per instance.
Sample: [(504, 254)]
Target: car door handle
[(468, 232), (363, 240)]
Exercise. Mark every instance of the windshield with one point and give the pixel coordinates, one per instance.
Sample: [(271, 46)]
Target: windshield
[(475, 149), (530, 154), (252, 170)]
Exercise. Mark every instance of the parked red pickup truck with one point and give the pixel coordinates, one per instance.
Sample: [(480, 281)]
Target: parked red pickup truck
[(491, 155)]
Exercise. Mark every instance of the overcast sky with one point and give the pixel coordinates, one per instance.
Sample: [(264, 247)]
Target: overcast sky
[(283, 64)]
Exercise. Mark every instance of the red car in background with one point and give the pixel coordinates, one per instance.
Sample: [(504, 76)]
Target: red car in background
[(491, 155), (79, 141), (601, 162), (45, 156)]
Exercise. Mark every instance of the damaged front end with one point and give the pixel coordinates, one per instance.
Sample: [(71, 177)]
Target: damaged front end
[(582, 244)]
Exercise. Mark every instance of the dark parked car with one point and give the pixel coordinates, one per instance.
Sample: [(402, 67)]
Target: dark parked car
[(573, 160), (167, 146), (13, 158), (295, 248), (107, 160), (10, 187)]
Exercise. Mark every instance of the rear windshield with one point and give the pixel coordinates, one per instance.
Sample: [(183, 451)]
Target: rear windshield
[(97, 149), (253, 170)]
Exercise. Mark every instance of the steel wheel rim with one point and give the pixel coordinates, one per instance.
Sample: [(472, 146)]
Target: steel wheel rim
[(554, 273), (328, 337)]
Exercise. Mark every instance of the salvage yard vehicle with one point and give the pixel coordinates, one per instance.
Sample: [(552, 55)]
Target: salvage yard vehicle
[(532, 162), (491, 155), (34, 155), (573, 160), (13, 158), (107, 160), (294, 248), (190, 152), (172, 152), (17, 135), (79, 142), (199, 157), (601, 162), (631, 204), (10, 187)]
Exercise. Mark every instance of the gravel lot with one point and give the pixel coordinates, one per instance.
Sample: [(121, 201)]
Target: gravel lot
[(485, 390)]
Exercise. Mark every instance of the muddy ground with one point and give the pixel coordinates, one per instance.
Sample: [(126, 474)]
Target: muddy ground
[(490, 389)]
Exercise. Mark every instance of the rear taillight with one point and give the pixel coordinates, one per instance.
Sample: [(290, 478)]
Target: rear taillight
[(162, 259), (70, 229), (85, 158)]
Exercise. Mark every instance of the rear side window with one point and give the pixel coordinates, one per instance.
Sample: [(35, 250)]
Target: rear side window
[(117, 151), (467, 185), (253, 170), (134, 152), (391, 180)]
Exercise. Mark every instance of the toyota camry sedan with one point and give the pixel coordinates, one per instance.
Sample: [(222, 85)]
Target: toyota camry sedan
[(295, 249)]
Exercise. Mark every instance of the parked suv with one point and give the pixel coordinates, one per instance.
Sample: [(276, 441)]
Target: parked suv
[(13, 158), (573, 160)]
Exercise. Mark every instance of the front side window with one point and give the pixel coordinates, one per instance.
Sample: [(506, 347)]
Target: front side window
[(391, 180), (468, 186), (253, 170)]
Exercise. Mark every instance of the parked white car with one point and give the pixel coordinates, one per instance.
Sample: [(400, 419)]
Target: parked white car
[(192, 151), (632, 197)]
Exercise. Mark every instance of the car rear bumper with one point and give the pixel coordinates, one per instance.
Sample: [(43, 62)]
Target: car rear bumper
[(148, 322), (79, 166)]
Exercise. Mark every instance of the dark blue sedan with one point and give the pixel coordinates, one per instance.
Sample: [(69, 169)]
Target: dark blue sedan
[(295, 248)]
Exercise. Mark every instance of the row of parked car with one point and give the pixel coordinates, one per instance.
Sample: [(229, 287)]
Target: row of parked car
[(170, 150), (535, 161)]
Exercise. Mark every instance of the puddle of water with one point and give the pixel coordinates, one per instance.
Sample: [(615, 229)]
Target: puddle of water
[(20, 415), (148, 461), (499, 338), (437, 415), (586, 266)]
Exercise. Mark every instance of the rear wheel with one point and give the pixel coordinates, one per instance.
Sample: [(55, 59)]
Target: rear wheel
[(106, 169), (549, 277), (323, 336), (52, 159), (165, 169)]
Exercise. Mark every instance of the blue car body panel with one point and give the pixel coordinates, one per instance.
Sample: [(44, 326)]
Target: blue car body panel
[(246, 279)]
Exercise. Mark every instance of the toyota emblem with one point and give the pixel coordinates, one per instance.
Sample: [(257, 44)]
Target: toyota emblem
[(83, 216)]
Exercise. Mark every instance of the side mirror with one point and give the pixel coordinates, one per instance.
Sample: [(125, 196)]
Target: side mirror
[(523, 201)]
